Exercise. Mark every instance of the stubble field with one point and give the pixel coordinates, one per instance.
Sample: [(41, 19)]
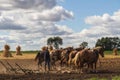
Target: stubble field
[(107, 68)]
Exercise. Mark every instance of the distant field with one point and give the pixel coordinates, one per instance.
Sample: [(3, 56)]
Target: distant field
[(110, 52), (113, 78), (32, 54), (24, 52), (26, 55)]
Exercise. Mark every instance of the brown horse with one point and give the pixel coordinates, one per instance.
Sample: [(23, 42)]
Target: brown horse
[(39, 58), (90, 57), (55, 56), (72, 55), (65, 56)]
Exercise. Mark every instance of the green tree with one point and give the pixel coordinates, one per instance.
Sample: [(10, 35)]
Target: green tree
[(50, 41), (84, 44), (55, 41), (108, 42)]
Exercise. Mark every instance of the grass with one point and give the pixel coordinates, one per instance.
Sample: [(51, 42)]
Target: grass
[(26, 55), (113, 78), (23, 52), (116, 78), (97, 79), (32, 54), (110, 52), (29, 52)]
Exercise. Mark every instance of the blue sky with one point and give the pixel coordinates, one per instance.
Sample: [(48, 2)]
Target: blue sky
[(85, 8), (29, 23)]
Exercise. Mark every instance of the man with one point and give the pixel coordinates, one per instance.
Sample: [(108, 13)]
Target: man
[(47, 58)]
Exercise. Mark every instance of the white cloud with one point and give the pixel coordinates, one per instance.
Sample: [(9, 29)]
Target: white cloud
[(101, 26), (8, 24), (30, 22), (39, 4), (57, 13), (31, 25), (27, 4), (105, 25)]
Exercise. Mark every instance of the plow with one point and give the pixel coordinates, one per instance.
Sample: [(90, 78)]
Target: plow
[(17, 69)]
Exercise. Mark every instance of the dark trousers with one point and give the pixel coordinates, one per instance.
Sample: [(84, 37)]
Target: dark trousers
[(48, 65)]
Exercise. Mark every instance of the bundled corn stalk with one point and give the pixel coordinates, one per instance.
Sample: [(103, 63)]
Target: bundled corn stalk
[(115, 51), (6, 52), (18, 50)]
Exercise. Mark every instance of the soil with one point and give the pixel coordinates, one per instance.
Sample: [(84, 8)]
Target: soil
[(107, 68)]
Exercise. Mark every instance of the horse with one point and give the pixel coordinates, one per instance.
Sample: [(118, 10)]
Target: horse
[(72, 55), (90, 57), (55, 56), (39, 58), (65, 55)]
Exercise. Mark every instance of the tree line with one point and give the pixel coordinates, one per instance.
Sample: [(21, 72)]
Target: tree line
[(108, 43)]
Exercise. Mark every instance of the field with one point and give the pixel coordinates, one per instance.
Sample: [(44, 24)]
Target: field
[(32, 54), (108, 68)]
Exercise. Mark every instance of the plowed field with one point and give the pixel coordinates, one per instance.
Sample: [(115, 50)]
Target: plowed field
[(108, 68)]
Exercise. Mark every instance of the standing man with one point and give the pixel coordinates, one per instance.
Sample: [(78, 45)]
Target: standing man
[(47, 58)]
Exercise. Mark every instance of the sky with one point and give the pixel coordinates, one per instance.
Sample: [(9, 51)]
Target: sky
[(29, 23)]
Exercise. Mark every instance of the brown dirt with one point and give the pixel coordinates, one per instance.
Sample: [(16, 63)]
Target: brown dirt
[(107, 69)]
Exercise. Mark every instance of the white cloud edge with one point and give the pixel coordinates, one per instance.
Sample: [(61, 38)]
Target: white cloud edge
[(98, 29)]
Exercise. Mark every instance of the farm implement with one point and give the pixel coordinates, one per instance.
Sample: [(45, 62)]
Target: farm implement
[(17, 69)]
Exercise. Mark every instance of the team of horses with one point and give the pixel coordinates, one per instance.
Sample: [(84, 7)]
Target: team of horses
[(73, 57)]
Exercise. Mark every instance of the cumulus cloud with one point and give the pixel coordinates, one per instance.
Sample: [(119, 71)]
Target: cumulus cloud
[(57, 13), (100, 26), (105, 25), (7, 24), (5, 5), (39, 4), (27, 4), (30, 22)]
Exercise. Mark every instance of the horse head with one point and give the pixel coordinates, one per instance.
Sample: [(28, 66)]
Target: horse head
[(100, 51)]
